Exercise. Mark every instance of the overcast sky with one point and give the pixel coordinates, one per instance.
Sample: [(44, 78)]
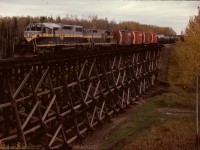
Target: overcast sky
[(173, 14)]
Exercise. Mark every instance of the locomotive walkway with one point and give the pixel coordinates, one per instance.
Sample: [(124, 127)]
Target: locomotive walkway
[(55, 100)]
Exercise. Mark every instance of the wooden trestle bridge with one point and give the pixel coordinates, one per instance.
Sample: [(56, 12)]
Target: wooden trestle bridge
[(55, 100)]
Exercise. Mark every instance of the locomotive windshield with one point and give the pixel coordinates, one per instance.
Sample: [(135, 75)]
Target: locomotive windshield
[(36, 28)]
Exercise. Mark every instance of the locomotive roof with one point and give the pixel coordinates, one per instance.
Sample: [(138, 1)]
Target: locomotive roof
[(68, 25), (51, 25), (48, 25)]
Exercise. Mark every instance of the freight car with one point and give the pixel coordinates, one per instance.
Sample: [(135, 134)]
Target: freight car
[(162, 39), (47, 38), (126, 37)]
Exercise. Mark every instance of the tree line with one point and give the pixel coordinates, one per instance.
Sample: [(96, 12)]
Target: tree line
[(17, 24)]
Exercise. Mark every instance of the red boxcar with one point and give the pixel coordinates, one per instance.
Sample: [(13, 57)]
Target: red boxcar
[(137, 37), (155, 38), (123, 37), (147, 37)]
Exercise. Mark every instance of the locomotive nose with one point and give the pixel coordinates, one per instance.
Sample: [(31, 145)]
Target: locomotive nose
[(27, 34)]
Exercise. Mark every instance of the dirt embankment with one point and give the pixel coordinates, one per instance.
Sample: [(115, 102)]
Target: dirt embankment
[(163, 62)]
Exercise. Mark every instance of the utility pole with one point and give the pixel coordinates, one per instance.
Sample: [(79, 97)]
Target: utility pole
[(197, 112)]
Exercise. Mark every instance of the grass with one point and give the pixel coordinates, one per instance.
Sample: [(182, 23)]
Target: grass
[(176, 98), (172, 134), (152, 129)]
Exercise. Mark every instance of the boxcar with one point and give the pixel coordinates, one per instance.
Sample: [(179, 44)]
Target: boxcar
[(137, 37), (154, 38), (123, 37), (147, 37)]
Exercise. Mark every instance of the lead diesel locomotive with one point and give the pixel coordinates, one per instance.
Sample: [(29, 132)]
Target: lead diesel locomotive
[(47, 38)]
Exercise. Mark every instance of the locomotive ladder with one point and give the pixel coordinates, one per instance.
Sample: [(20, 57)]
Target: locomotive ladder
[(56, 101)]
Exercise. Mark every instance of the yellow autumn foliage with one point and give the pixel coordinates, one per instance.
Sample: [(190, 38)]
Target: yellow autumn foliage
[(187, 53)]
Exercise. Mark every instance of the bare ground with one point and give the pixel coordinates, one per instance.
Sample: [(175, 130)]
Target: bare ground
[(176, 111), (163, 62)]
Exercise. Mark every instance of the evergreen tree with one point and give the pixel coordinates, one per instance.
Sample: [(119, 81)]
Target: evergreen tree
[(27, 20), (15, 27), (58, 19), (43, 19), (2, 29)]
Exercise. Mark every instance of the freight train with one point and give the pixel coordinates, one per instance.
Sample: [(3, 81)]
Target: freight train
[(47, 38)]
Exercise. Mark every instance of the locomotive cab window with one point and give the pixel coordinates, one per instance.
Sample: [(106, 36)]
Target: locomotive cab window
[(33, 28), (39, 28), (36, 28)]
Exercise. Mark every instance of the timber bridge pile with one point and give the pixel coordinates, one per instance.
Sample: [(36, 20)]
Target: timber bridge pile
[(56, 100)]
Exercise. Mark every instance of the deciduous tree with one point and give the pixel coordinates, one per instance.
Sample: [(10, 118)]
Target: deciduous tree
[(187, 53)]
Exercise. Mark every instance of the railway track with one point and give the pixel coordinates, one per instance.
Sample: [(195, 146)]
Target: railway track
[(55, 100)]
